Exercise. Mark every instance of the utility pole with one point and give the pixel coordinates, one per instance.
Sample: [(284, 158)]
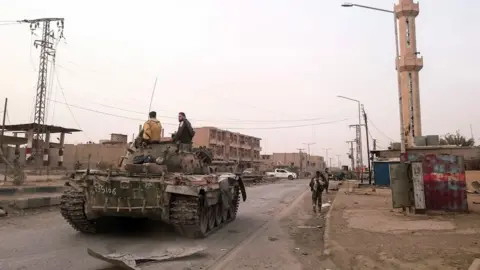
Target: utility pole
[(352, 158), (1, 139), (330, 165), (368, 147), (338, 162), (359, 158), (301, 160), (308, 152), (47, 51), (326, 154), (374, 144)]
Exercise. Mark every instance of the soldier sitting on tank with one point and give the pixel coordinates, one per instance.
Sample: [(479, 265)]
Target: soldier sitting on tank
[(152, 129), (185, 132)]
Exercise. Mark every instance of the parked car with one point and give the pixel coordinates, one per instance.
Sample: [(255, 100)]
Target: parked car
[(282, 173)]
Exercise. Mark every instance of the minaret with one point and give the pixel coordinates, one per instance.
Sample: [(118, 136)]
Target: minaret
[(409, 66)]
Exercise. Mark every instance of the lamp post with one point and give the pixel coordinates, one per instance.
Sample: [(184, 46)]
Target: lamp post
[(326, 155), (402, 132), (308, 152), (358, 136)]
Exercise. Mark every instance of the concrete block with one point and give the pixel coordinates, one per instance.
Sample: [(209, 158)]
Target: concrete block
[(20, 203), (38, 202), (11, 191), (35, 201)]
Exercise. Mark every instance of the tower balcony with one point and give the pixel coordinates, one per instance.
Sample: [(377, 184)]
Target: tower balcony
[(407, 8), (410, 63)]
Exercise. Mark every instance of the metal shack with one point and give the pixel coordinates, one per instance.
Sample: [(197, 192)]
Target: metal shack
[(381, 171)]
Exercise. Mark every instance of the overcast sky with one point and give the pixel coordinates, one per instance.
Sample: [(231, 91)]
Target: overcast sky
[(261, 67)]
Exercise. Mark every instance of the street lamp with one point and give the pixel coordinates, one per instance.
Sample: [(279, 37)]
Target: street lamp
[(402, 133), (308, 152), (358, 130)]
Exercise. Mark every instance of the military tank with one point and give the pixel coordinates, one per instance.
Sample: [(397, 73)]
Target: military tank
[(170, 182)]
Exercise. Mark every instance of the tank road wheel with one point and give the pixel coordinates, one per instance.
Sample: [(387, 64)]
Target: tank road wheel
[(218, 214), (233, 209), (211, 213)]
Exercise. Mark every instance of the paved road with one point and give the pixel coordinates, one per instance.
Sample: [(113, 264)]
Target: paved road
[(45, 242)]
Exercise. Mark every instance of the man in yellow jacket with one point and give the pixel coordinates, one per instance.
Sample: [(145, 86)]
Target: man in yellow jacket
[(152, 129)]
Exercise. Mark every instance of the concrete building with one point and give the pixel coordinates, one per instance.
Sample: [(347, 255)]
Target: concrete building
[(227, 145), (409, 65)]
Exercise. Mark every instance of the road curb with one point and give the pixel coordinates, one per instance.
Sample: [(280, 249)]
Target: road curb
[(12, 191), (33, 202), (326, 231)]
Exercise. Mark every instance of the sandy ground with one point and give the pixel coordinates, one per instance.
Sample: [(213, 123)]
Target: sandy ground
[(292, 240), (367, 234)]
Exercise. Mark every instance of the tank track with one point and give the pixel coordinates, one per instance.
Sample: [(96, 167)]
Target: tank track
[(185, 214), (72, 205)]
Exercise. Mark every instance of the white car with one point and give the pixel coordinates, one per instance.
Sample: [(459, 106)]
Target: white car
[(282, 173)]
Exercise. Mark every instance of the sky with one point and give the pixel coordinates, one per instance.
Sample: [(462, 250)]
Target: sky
[(269, 68)]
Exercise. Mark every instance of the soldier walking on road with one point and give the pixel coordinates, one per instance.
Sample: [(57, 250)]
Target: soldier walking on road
[(317, 184), (327, 180)]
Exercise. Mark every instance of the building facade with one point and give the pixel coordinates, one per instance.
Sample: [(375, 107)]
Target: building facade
[(302, 161), (227, 145)]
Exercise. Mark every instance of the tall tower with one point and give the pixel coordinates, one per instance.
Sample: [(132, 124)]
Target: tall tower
[(409, 65)]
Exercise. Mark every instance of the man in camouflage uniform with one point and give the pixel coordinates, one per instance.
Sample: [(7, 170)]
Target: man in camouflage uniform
[(317, 185)]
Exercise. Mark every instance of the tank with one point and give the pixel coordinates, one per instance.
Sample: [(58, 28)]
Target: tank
[(172, 183)]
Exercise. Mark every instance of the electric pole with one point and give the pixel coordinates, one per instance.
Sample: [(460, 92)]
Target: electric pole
[(326, 155), (374, 144), (352, 158), (47, 51), (308, 152), (330, 165), (368, 147), (338, 162), (301, 159), (359, 158)]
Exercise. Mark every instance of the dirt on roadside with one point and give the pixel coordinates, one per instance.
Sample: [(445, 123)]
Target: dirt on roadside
[(306, 229)]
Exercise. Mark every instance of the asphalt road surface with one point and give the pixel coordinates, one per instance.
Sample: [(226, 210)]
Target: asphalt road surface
[(45, 241)]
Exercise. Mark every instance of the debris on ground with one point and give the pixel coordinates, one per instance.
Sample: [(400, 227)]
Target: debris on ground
[(271, 238), (130, 261)]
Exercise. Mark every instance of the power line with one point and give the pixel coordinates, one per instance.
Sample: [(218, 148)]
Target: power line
[(69, 109), (205, 120), (374, 126), (172, 124), (8, 23)]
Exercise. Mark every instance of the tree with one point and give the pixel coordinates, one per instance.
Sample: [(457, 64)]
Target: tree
[(456, 139)]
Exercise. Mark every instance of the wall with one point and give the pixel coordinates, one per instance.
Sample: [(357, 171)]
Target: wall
[(289, 159), (444, 182), (470, 177), (467, 152), (72, 153)]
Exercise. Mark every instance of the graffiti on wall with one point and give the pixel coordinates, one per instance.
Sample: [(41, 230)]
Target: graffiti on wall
[(444, 182)]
